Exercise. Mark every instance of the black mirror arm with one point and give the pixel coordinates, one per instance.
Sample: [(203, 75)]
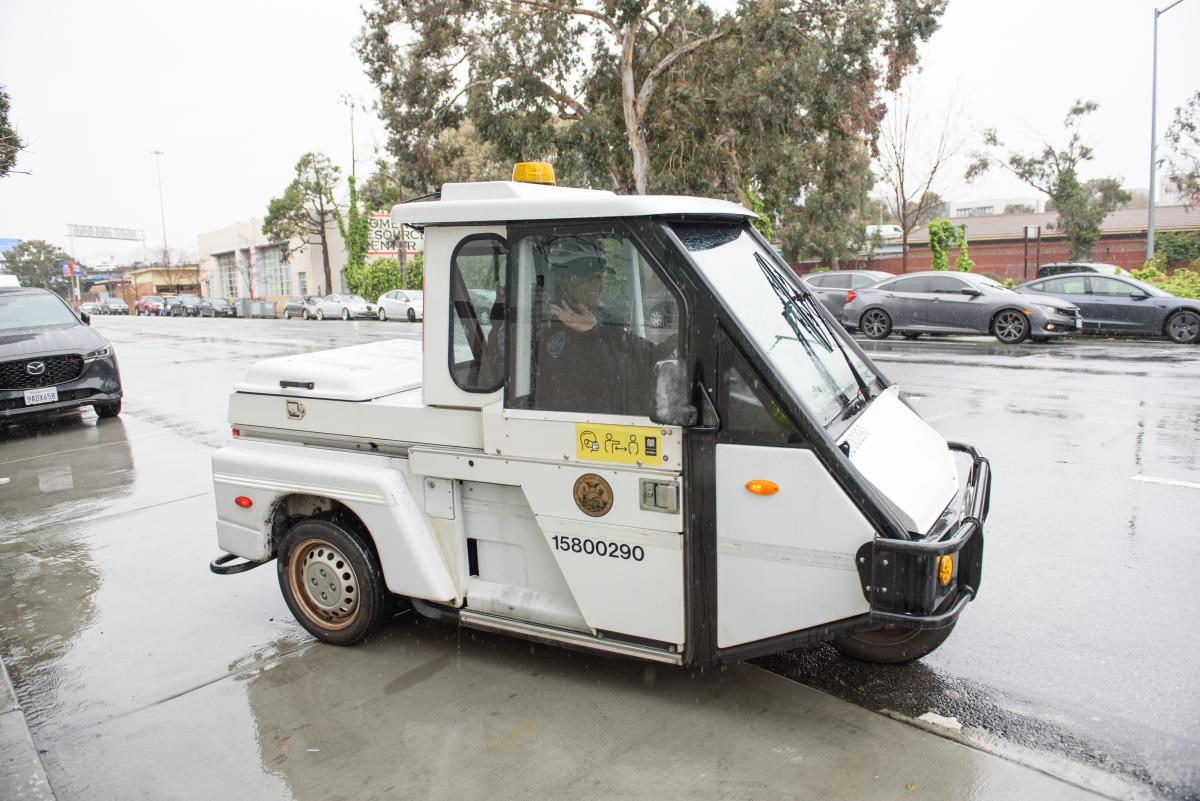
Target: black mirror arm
[(711, 408)]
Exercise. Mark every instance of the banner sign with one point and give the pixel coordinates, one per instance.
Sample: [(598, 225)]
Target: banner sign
[(69, 268), (103, 232), (383, 238)]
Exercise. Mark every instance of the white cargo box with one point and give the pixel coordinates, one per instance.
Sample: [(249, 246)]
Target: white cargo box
[(357, 373)]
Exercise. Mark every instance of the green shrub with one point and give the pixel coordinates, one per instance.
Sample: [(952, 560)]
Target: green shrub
[(1183, 283), (373, 278)]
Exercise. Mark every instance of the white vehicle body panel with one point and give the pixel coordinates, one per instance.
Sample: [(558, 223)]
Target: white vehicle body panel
[(785, 562), (356, 373)]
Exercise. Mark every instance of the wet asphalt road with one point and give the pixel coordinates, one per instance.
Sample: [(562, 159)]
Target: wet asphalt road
[(1079, 644)]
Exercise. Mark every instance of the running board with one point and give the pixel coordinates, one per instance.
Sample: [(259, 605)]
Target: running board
[(534, 631)]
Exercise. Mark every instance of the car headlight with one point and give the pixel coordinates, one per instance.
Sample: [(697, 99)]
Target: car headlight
[(1049, 309), (99, 353)]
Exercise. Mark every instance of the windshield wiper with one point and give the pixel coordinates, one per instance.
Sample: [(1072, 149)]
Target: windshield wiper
[(863, 390)]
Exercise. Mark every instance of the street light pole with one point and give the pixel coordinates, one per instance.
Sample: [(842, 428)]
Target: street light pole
[(1153, 130), (161, 208)]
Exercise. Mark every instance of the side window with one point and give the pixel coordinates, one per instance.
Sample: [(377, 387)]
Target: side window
[(863, 280), (589, 317), (749, 415), (1063, 286), (817, 280), (477, 274), (1110, 287), (836, 281), (910, 285), (945, 284)]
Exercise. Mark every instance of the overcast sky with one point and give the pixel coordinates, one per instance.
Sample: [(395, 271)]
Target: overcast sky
[(233, 92)]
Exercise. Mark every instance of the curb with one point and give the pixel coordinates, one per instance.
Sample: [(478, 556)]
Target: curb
[(22, 777)]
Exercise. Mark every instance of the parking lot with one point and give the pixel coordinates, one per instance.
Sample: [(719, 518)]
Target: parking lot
[(141, 674)]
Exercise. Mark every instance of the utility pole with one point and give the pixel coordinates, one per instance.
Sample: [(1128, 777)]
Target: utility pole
[(161, 208), (1153, 130)]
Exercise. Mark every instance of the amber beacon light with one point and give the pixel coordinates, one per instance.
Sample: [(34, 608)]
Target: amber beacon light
[(760, 486), (534, 172)]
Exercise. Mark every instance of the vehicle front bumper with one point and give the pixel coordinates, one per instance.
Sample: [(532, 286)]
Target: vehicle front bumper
[(99, 383), (899, 577), (1056, 325)]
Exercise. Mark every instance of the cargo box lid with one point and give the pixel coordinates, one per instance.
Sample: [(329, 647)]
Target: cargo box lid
[(356, 373)]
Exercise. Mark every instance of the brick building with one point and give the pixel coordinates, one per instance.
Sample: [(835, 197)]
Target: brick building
[(997, 243)]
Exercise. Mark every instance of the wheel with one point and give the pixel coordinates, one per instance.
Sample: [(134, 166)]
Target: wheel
[(106, 410), (875, 323), (412, 315), (1183, 327), (659, 317), (320, 314), (345, 314), (331, 581), (912, 336), (1010, 327), (894, 645), (382, 315), (287, 315), (304, 314)]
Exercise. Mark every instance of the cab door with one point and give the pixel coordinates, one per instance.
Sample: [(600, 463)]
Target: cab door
[(604, 482)]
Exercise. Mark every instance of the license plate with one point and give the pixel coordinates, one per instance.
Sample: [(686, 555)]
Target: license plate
[(35, 396)]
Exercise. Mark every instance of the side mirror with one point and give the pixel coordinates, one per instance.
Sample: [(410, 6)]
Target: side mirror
[(85, 318), (672, 394), (972, 292), (1138, 294)]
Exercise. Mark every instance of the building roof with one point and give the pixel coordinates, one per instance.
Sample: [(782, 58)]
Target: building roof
[(504, 201), (1117, 223)]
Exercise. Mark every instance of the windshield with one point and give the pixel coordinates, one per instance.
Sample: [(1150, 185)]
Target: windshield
[(219, 302), (810, 355), (33, 311), (354, 299), (1150, 289)]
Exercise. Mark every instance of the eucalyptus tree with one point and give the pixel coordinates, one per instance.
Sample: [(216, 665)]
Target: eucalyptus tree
[(306, 209)]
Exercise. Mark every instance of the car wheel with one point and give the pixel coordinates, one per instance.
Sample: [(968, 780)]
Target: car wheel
[(331, 581), (912, 336), (304, 314), (287, 315), (320, 314), (382, 315), (876, 324), (1183, 327), (658, 317), (893, 645), (412, 315), (1010, 327), (106, 410), (345, 314)]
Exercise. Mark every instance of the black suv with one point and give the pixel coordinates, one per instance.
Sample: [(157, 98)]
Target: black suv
[(185, 306)]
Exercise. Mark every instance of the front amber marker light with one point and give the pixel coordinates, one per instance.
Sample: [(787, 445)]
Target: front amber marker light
[(945, 569), (760, 486)]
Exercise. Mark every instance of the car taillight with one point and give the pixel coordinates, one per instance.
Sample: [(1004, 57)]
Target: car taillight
[(850, 295)]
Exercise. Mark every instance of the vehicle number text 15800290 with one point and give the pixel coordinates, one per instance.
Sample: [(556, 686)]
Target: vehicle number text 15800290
[(611, 550)]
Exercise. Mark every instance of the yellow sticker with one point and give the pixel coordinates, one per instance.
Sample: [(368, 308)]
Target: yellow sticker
[(619, 444)]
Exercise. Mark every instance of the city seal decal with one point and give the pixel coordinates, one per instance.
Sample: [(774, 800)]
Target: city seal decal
[(593, 495)]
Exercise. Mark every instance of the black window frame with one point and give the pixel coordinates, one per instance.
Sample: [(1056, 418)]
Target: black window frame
[(453, 317)]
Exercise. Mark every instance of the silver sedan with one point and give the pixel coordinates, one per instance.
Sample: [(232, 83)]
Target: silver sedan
[(402, 304), (957, 303), (345, 306)]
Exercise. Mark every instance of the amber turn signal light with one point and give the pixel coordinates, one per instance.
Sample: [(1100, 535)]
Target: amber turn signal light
[(243, 501), (945, 569), (760, 486)]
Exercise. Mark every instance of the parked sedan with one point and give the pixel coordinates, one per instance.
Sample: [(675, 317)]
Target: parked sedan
[(346, 307), (185, 306), (50, 359), (217, 307), (91, 307), (1112, 305), (151, 305), (114, 306), (301, 306), (407, 304), (831, 288), (957, 303)]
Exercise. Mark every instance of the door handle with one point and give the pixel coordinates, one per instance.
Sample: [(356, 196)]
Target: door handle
[(890, 296)]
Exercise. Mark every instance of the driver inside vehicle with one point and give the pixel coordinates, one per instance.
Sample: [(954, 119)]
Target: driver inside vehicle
[(588, 360)]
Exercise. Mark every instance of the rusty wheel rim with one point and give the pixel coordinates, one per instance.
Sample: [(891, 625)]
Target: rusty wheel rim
[(324, 584)]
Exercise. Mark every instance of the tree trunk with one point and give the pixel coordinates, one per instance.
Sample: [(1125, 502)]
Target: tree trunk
[(633, 115), (903, 250), (325, 259)]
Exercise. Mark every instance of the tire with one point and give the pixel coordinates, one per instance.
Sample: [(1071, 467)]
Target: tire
[(912, 337), (331, 581), (1183, 327), (382, 315), (320, 314), (1010, 327), (659, 317), (287, 315), (892, 646), (412, 315), (107, 410), (304, 315), (346, 315), (875, 323)]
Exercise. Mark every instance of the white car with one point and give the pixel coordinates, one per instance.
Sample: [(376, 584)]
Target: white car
[(344, 306), (402, 304)]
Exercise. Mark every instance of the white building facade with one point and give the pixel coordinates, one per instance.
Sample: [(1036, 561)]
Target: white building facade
[(240, 262)]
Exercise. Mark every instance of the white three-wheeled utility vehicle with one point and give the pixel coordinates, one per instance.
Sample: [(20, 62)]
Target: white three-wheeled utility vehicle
[(628, 428)]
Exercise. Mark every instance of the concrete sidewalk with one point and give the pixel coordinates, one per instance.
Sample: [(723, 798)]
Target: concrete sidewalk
[(21, 775), (429, 711)]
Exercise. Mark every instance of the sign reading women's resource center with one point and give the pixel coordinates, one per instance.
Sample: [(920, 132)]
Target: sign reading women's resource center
[(384, 241)]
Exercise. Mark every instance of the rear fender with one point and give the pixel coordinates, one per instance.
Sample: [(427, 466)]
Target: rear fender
[(374, 487)]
